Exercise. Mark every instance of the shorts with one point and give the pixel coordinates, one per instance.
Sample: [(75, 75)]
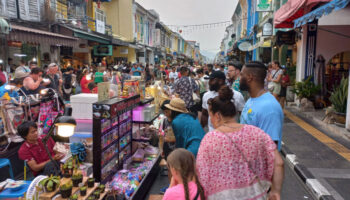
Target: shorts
[(283, 92), (277, 89)]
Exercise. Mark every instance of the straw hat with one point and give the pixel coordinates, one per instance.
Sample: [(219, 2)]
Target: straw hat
[(178, 105)]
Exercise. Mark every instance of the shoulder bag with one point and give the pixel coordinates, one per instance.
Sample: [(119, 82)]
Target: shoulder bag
[(195, 96)]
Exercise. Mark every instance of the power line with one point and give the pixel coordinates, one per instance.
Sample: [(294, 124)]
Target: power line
[(224, 22)]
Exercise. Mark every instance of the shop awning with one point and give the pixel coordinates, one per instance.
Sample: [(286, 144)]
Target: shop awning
[(134, 46), (25, 34), (4, 26), (119, 42), (90, 36), (292, 10), (321, 11)]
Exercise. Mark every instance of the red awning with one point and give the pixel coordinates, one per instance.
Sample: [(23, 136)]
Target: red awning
[(292, 10)]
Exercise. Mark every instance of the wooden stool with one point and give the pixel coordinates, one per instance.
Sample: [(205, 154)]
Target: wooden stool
[(155, 197)]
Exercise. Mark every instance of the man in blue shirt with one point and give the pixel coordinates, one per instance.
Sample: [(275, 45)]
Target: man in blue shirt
[(136, 70), (10, 87), (262, 109)]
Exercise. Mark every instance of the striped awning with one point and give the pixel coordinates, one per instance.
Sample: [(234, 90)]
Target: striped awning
[(30, 35)]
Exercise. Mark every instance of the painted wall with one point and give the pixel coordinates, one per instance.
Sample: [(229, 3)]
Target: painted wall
[(119, 15), (131, 53), (340, 17), (330, 41)]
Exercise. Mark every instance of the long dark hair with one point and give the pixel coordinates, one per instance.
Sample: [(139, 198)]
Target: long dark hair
[(184, 163)]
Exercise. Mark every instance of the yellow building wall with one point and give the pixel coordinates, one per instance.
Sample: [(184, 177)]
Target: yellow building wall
[(119, 16), (131, 53)]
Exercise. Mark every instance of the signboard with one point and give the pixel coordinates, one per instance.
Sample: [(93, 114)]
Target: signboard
[(285, 37), (124, 51), (100, 26), (245, 46), (267, 29), (103, 91), (103, 50), (264, 5)]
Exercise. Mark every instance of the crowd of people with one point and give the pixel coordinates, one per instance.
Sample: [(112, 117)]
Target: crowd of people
[(227, 121)]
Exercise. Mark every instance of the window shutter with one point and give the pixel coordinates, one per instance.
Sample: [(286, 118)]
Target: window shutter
[(34, 10), (23, 9), (11, 8)]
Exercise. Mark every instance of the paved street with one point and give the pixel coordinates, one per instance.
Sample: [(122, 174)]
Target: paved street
[(293, 187), (323, 154)]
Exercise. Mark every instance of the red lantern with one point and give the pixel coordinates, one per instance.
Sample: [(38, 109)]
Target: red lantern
[(180, 31)]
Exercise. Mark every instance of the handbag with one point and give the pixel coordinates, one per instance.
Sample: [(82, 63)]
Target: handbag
[(271, 85), (195, 96), (250, 168)]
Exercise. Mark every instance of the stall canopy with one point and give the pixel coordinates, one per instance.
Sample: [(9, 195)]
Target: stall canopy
[(25, 34), (292, 10), (321, 11)]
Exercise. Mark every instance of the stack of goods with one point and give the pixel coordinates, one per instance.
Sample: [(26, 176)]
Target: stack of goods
[(130, 88), (127, 181), (144, 113)]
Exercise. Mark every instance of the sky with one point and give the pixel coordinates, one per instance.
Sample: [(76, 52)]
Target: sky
[(189, 12)]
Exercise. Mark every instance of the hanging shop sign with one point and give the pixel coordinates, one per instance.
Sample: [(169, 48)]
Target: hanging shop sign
[(264, 5), (245, 46), (103, 50), (267, 29), (287, 38), (124, 51), (100, 26)]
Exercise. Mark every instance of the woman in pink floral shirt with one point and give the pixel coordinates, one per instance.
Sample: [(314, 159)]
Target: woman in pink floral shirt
[(237, 161)]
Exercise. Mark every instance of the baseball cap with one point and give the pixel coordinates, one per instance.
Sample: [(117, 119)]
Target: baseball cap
[(217, 74)]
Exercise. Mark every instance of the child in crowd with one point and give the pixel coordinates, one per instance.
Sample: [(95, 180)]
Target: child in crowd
[(184, 184)]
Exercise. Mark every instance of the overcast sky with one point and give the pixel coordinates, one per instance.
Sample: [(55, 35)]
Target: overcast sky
[(188, 12)]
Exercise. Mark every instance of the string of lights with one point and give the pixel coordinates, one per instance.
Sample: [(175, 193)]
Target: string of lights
[(187, 29)]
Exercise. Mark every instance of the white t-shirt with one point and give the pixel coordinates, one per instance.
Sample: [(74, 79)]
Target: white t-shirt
[(238, 100), (173, 75)]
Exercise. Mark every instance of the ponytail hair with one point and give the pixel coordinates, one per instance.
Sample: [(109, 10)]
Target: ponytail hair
[(223, 103)]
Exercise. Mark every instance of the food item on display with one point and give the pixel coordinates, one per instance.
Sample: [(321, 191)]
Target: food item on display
[(139, 155), (150, 150)]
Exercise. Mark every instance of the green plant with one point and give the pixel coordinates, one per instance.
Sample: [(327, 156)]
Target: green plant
[(67, 185), (291, 71), (91, 182), (77, 178), (74, 197), (306, 88), (339, 96), (83, 191), (102, 188), (91, 198), (51, 183)]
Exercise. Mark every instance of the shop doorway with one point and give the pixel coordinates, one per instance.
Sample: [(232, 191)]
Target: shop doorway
[(337, 68)]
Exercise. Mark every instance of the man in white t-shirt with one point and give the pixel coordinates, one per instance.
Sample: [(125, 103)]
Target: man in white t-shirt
[(216, 80), (173, 74)]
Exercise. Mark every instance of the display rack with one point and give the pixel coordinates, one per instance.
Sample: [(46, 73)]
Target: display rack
[(112, 135)]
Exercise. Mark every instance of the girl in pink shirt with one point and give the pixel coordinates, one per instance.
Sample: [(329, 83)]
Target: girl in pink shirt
[(184, 183)]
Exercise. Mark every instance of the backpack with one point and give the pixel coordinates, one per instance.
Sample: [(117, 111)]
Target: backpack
[(67, 81)]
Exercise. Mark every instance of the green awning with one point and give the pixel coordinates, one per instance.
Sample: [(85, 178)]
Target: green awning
[(4, 26), (90, 36)]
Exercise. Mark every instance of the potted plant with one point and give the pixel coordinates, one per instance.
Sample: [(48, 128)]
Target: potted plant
[(339, 98), (97, 194), (66, 189), (65, 171), (83, 191), (91, 182), (92, 197), (50, 184), (102, 188), (74, 197), (77, 178), (306, 92)]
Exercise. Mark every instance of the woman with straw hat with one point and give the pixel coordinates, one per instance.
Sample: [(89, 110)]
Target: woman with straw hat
[(187, 129)]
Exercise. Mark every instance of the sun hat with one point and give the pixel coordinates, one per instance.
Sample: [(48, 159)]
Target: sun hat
[(177, 104), (21, 74)]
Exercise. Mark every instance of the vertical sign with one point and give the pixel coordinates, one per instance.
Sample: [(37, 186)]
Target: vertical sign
[(264, 5)]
